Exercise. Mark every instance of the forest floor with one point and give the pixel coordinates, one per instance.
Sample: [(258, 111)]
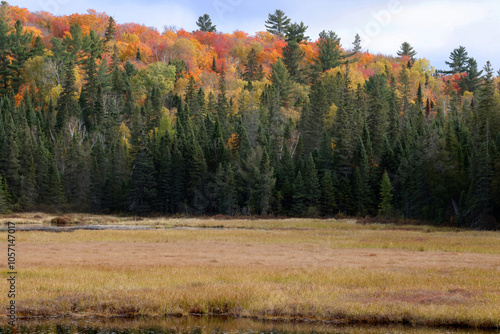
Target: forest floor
[(305, 269)]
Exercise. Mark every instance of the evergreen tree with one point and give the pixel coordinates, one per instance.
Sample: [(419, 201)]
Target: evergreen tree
[(313, 117), (327, 206), (407, 50), (356, 44), (329, 50), (458, 61), (67, 105), (204, 23), (385, 206), (295, 32), (277, 23), (143, 187), (377, 116), (280, 79), (292, 57), (110, 30), (474, 76), (299, 196), (4, 205), (252, 70)]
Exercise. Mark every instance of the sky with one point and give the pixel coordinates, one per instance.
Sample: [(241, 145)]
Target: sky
[(434, 28)]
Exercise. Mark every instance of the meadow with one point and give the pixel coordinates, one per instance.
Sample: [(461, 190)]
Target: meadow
[(339, 271)]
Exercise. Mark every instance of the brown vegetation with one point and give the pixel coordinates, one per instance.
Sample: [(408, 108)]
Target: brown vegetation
[(303, 269)]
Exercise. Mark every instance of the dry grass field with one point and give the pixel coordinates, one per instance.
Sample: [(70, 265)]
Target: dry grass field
[(338, 271)]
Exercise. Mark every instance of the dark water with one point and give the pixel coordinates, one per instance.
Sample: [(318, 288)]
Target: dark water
[(204, 325)]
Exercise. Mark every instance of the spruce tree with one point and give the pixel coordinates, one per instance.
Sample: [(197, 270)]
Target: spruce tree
[(385, 206), (252, 70), (110, 30), (280, 79), (292, 57), (143, 186), (327, 206), (67, 105)]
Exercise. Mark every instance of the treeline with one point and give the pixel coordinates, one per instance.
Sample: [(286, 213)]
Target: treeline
[(125, 142)]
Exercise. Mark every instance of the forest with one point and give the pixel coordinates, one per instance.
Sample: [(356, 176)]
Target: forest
[(102, 117)]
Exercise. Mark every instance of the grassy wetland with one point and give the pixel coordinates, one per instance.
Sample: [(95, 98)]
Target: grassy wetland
[(305, 269)]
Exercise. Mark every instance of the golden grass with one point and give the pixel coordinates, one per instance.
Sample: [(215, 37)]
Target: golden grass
[(309, 269)]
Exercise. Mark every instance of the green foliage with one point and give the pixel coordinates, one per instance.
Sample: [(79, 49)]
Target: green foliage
[(157, 75), (385, 206), (204, 23), (80, 133), (280, 80), (277, 23), (329, 50), (407, 50)]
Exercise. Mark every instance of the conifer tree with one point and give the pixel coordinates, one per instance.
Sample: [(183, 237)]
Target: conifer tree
[(110, 30), (327, 206), (277, 23), (377, 118), (292, 57), (4, 207), (280, 79), (67, 105), (143, 187), (329, 50), (204, 23), (385, 206), (408, 51), (252, 70)]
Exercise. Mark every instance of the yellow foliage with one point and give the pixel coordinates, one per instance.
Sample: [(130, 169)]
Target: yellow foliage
[(54, 93), (125, 135), (355, 75), (310, 53), (330, 117), (379, 65)]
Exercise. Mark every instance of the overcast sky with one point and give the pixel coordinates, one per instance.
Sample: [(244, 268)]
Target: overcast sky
[(433, 28)]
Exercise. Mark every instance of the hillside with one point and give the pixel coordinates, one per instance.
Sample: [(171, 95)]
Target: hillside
[(104, 117)]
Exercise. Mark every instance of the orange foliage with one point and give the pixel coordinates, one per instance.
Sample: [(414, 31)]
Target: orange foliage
[(90, 21), (366, 58), (310, 52), (21, 14)]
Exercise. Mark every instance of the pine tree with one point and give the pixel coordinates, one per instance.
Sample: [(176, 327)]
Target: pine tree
[(356, 44), (277, 23), (408, 51), (329, 50), (458, 61), (205, 24), (295, 32), (474, 76)]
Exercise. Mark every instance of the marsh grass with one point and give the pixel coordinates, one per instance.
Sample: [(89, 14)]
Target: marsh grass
[(457, 295)]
